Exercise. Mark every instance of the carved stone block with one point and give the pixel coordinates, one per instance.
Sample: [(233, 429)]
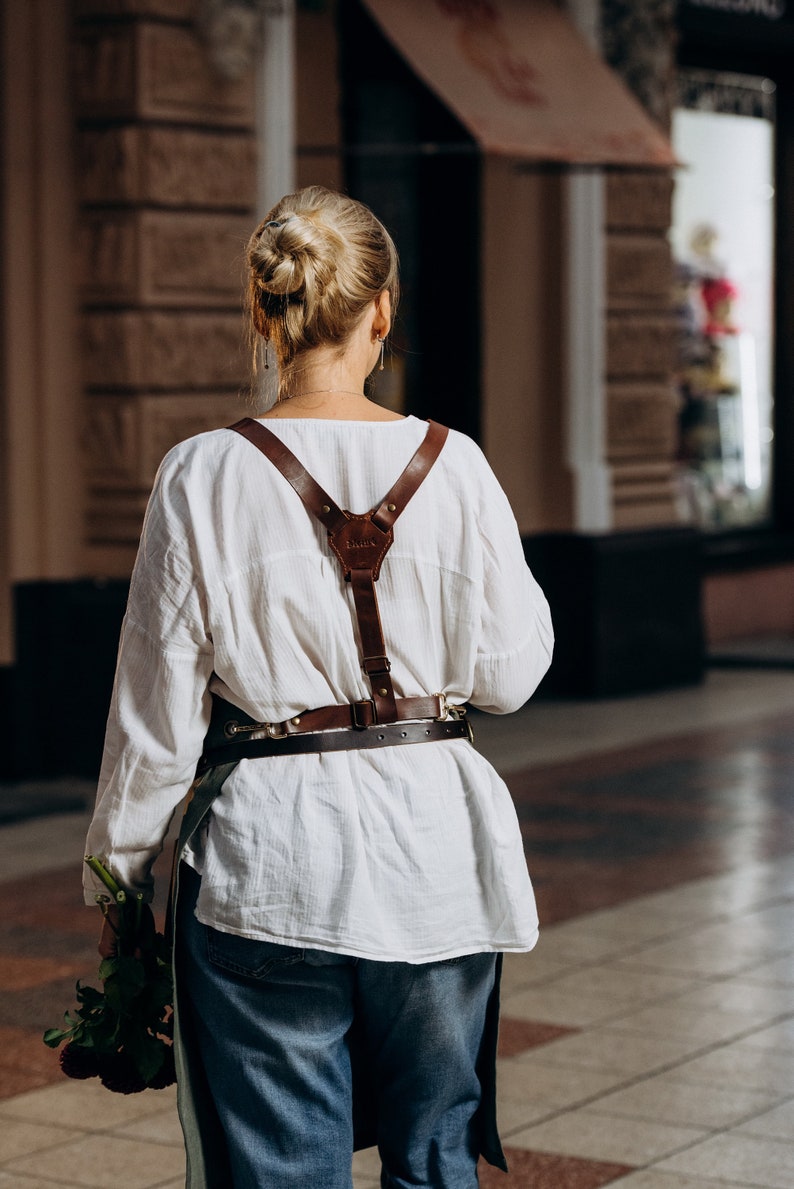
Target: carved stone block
[(641, 422), (164, 350), (111, 165), (168, 167), (641, 480), (639, 272), (155, 72), (127, 437), (105, 71), (643, 496), (109, 258), (163, 258), (658, 511), (641, 346), (192, 260), (111, 443), (177, 82), (639, 201)]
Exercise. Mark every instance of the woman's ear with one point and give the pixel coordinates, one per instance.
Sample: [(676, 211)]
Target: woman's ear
[(382, 322)]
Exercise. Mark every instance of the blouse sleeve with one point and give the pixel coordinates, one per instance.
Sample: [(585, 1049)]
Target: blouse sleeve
[(160, 705), (516, 637)]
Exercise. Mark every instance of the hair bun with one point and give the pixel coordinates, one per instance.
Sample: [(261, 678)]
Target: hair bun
[(295, 257), (316, 262)]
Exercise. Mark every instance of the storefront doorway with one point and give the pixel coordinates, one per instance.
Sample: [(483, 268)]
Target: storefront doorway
[(409, 159)]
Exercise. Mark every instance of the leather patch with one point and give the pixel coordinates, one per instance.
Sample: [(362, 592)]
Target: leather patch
[(360, 545)]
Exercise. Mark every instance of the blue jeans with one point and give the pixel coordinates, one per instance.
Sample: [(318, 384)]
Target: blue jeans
[(280, 1030)]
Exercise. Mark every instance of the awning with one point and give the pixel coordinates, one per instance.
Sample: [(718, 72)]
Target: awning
[(522, 79)]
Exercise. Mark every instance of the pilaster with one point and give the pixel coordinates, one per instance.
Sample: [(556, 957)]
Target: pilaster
[(641, 434), (167, 173)]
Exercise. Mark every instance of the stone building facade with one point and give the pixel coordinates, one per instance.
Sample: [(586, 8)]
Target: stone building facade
[(131, 158), (166, 169)]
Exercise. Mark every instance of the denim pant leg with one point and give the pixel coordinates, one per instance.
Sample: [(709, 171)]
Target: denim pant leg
[(424, 1028), (272, 1023)]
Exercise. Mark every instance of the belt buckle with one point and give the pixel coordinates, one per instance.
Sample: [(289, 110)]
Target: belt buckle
[(458, 713), (275, 730)]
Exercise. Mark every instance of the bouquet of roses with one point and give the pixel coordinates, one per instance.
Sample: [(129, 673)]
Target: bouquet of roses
[(122, 1033)]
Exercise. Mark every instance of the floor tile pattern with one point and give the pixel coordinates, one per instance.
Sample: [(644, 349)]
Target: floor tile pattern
[(545, 1170)]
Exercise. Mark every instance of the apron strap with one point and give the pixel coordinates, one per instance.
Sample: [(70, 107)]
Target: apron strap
[(359, 542)]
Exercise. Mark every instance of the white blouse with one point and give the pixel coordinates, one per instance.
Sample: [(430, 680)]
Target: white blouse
[(409, 853)]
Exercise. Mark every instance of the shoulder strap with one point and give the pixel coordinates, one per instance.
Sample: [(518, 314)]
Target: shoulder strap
[(314, 497), (360, 542), (318, 501)]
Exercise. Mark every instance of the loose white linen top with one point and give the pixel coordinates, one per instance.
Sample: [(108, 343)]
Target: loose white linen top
[(410, 853)]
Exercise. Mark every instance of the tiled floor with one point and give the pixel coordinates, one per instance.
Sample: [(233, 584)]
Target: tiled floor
[(648, 1042)]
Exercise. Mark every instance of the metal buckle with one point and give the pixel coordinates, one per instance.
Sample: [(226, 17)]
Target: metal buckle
[(383, 662), (448, 710), (459, 713), (255, 730), (357, 723)]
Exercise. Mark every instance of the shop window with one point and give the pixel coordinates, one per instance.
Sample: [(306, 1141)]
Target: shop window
[(723, 244)]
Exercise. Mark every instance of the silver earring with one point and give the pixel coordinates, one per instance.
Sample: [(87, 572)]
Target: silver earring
[(382, 342), (267, 355)]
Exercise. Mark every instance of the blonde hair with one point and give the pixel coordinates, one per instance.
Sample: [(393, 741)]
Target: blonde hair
[(316, 261)]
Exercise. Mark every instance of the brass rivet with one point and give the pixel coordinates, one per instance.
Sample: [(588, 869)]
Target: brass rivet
[(296, 722), (326, 507), (392, 507), (383, 692)]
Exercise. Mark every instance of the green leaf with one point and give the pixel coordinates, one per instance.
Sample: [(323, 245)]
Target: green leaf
[(107, 967), (54, 1036), (89, 997), (147, 1052), (132, 1011)]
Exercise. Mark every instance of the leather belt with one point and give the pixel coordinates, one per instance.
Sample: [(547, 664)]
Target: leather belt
[(358, 715), (391, 734)]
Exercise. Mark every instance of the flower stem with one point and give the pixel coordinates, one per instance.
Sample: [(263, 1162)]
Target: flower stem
[(102, 872)]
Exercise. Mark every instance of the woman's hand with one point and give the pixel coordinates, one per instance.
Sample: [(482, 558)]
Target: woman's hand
[(107, 938)]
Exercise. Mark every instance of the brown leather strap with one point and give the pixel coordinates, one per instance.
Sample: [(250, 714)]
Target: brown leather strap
[(314, 497), (383, 735), (374, 660), (229, 722), (360, 542), (410, 480)]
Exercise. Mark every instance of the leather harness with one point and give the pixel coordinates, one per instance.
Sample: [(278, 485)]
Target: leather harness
[(360, 542)]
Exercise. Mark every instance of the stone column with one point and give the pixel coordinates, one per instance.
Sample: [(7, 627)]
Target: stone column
[(276, 117), (40, 505), (638, 42), (167, 177), (641, 399)]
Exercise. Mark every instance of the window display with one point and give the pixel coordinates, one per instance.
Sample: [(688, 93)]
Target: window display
[(723, 229)]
